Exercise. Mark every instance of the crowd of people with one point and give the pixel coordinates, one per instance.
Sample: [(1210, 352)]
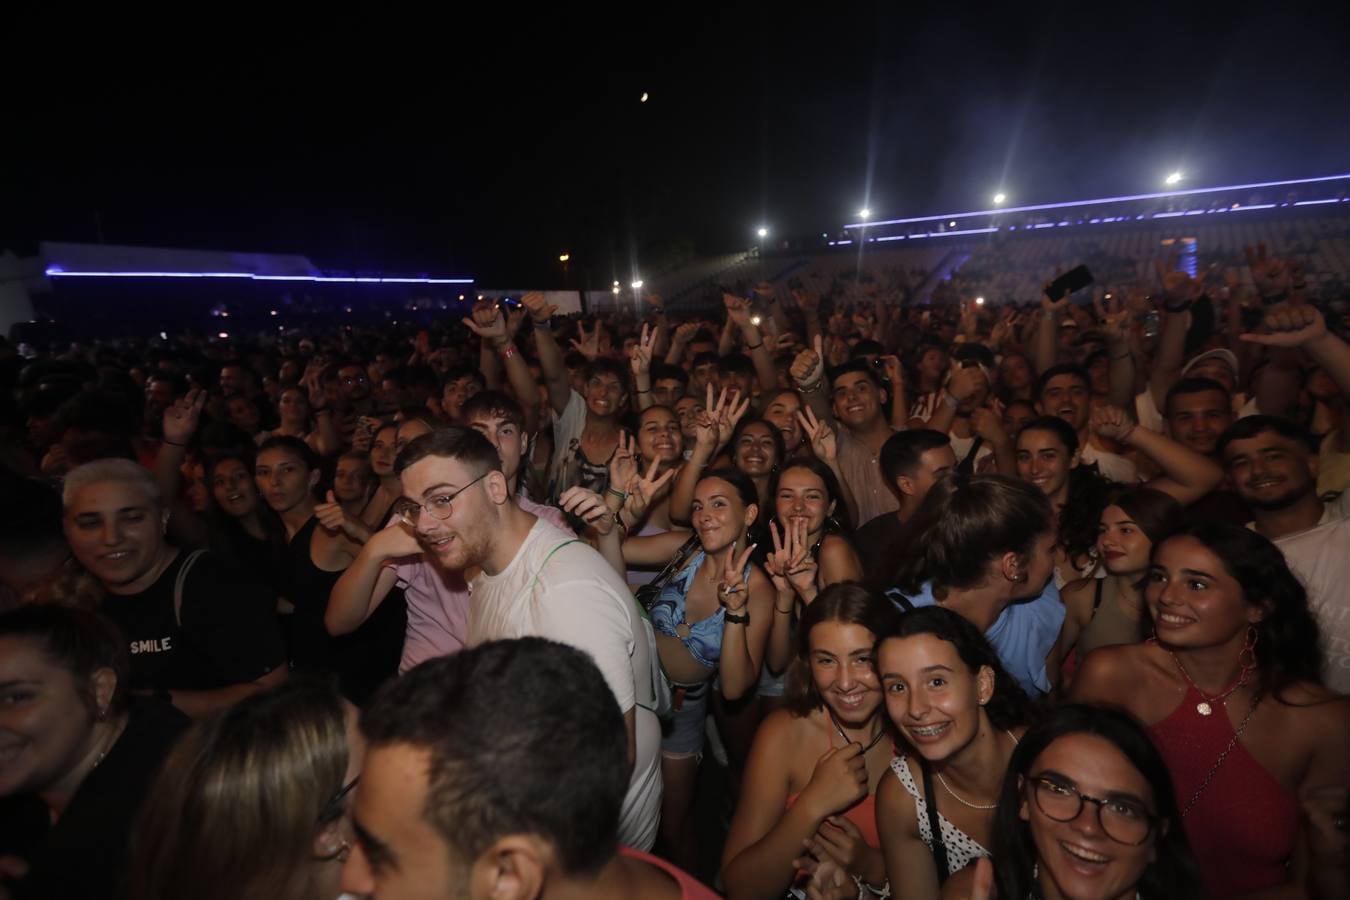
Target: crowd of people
[(967, 601)]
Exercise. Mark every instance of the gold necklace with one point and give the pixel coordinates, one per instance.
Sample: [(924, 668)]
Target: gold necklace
[(963, 800)]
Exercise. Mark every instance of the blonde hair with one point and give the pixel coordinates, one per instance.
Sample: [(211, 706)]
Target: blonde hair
[(235, 809)]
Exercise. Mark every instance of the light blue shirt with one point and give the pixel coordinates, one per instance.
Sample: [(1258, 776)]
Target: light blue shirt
[(1022, 635)]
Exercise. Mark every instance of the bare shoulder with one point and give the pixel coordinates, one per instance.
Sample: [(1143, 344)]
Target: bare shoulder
[(895, 804), (1112, 674), (1078, 596), (1319, 707)]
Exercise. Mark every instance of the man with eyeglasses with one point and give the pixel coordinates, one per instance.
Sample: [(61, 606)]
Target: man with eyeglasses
[(536, 580), (437, 597)]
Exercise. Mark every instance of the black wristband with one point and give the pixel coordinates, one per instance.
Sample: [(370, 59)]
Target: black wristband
[(755, 346), (737, 618), (546, 325), (173, 443)]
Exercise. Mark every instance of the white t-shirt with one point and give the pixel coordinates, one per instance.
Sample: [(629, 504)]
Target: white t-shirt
[(1320, 557), (571, 595), (1113, 466)]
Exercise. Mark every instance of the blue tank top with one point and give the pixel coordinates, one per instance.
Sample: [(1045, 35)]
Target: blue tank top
[(704, 641)]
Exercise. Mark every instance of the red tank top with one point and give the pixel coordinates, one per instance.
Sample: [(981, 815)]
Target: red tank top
[(1243, 826)]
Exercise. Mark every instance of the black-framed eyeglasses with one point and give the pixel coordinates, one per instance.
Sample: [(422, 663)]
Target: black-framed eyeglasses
[(438, 507), (1124, 821), (329, 841)]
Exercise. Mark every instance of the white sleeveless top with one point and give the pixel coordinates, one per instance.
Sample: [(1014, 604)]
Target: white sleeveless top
[(962, 849)]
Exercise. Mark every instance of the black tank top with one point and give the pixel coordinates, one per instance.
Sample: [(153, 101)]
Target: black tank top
[(363, 659)]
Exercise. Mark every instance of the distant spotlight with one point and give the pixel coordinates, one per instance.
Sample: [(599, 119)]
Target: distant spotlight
[(564, 257), (951, 224), (1174, 178), (222, 335), (615, 289), (864, 214), (224, 313), (1000, 197), (480, 296), (461, 296), (754, 320), (637, 284), (643, 99), (616, 284), (979, 301), (274, 312), (762, 232)]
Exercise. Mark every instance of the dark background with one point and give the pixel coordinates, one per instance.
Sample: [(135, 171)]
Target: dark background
[(451, 143)]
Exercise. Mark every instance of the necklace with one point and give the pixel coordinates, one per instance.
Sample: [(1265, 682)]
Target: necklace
[(881, 732), (1209, 776), (1206, 705), (962, 800)]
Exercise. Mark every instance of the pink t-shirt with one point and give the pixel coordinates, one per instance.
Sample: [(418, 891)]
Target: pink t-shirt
[(438, 600), (690, 887)]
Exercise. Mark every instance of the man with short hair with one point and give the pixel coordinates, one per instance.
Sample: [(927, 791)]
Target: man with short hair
[(1196, 413), (499, 772), (1065, 391), (669, 384), (857, 402), (911, 461), (437, 598), (536, 579), (199, 636)]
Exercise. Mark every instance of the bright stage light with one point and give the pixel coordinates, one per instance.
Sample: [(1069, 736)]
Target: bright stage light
[(864, 214), (1174, 178), (762, 232), (979, 301), (637, 284), (565, 257), (1000, 197)]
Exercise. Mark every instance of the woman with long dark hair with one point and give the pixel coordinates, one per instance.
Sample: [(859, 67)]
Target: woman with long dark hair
[(815, 764), (1088, 810), (1230, 688), (1048, 457), (959, 715)]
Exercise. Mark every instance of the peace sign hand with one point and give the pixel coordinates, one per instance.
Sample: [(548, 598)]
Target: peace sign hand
[(181, 419), (802, 566), (589, 345), (623, 465), (732, 591), (642, 492), (641, 358), (824, 444)]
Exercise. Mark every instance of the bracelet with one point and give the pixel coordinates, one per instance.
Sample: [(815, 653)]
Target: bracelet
[(507, 351), (623, 497), (803, 389), (618, 523), (754, 346), (785, 612), (641, 392), (173, 443), (884, 891), (735, 619), (546, 325)]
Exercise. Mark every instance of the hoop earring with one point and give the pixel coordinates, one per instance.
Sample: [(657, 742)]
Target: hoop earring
[(1247, 655)]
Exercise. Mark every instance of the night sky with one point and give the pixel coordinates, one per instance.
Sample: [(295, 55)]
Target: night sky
[(469, 146)]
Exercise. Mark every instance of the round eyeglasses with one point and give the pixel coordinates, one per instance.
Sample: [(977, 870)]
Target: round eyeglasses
[(438, 507), (1124, 821)]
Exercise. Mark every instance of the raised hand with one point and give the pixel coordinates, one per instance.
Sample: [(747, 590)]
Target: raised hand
[(802, 566), (623, 465), (1179, 289), (1113, 314), (965, 383), (487, 322), (395, 540), (727, 411), (824, 444), (829, 882), (589, 345), (738, 310), (732, 591), (839, 841), (642, 492), (181, 419), (1052, 306), (684, 333), (893, 371), (641, 358), (809, 366), (1289, 326), (333, 517), (1271, 275), (588, 506), (779, 561), (539, 309), (808, 302), (1111, 422)]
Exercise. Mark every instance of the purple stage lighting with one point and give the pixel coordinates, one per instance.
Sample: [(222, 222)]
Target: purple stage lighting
[(58, 272)]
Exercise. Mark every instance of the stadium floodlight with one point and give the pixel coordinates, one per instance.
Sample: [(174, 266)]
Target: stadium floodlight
[(643, 98), (951, 224), (1000, 197), (1174, 178), (637, 285), (615, 289), (864, 213), (762, 232), (564, 257), (979, 301)]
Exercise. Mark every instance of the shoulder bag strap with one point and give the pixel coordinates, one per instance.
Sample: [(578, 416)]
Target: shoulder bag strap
[(939, 845), (180, 582)]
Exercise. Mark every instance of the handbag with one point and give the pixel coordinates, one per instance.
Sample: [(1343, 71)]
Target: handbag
[(664, 703)]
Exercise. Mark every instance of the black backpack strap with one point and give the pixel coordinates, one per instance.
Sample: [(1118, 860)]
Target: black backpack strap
[(939, 845), (180, 582), (1097, 594)]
